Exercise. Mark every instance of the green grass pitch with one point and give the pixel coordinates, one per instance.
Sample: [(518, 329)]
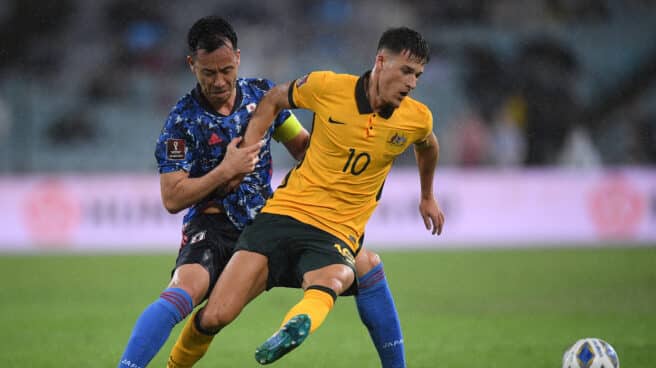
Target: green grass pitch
[(471, 308)]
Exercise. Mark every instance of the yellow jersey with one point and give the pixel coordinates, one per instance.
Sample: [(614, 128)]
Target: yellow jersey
[(336, 187)]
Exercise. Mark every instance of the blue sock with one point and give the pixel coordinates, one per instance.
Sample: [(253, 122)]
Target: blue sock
[(154, 326), (378, 313)]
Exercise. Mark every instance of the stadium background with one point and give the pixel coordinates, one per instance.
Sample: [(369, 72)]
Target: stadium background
[(546, 113)]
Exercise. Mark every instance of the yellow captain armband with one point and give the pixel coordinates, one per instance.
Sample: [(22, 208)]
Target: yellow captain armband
[(288, 129)]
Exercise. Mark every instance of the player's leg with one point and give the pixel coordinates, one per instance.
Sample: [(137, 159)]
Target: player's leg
[(377, 310), (241, 281), (208, 243), (187, 288), (321, 289), (327, 267)]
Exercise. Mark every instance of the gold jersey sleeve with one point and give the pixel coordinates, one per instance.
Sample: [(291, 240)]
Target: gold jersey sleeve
[(339, 182)]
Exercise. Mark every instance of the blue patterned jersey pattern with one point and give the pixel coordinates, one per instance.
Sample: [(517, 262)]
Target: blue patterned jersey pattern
[(195, 138)]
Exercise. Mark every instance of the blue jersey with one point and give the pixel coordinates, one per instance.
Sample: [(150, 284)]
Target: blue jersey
[(195, 139)]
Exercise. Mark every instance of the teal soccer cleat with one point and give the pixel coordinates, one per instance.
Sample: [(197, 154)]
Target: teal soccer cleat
[(290, 336)]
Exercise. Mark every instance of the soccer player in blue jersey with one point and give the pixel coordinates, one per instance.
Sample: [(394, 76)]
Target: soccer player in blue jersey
[(200, 162)]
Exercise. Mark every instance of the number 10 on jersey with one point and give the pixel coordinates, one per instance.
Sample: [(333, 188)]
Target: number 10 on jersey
[(356, 163)]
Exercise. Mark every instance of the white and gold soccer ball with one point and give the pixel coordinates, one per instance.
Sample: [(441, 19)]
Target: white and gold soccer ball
[(591, 352)]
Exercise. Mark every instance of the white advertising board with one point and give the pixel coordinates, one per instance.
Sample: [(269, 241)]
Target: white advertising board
[(483, 208)]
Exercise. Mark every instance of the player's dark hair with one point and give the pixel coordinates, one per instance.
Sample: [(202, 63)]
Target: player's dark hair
[(210, 33), (401, 39)]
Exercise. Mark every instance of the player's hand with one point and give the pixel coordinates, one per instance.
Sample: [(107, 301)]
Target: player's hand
[(240, 161), (432, 214)]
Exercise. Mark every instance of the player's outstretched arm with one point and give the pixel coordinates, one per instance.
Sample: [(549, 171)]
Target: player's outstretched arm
[(179, 191), (427, 153), (274, 101)]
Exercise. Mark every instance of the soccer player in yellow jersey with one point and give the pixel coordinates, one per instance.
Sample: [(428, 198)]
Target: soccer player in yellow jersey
[(310, 231)]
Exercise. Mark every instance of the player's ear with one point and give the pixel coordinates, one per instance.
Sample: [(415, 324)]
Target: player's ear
[(380, 58), (238, 56), (190, 62)]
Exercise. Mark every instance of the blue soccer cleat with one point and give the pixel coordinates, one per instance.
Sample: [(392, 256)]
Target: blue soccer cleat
[(290, 336)]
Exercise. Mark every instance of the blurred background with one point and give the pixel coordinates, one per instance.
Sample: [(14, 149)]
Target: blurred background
[(537, 92), (546, 115)]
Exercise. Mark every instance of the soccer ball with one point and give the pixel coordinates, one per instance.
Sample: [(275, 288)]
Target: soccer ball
[(591, 352)]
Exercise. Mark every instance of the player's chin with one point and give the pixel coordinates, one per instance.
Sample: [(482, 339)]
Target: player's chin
[(393, 102), (399, 98)]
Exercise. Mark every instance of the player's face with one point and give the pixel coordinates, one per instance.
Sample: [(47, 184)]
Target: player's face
[(399, 74), (216, 73)]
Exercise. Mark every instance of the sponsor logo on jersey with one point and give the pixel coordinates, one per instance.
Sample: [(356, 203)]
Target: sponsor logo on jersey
[(331, 121), (197, 237), (214, 139)]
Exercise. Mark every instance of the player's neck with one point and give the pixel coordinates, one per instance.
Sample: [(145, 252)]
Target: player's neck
[(225, 107), (373, 92)]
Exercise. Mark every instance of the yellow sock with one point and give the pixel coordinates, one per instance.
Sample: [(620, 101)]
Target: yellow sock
[(316, 303), (190, 346)]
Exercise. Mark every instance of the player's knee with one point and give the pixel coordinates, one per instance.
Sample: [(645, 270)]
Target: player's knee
[(193, 279), (366, 261), (339, 282), (335, 284), (337, 277), (215, 320)]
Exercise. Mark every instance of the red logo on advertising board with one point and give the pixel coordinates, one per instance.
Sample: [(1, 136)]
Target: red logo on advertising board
[(51, 214), (617, 208)]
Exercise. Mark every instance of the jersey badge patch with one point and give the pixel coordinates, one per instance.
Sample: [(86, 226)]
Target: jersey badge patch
[(397, 139), (175, 149), (251, 107), (301, 81)]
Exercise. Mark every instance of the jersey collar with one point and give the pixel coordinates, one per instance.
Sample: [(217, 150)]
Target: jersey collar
[(205, 104), (363, 102)]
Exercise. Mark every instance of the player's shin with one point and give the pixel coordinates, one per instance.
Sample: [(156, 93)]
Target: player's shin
[(316, 303), (378, 313), (191, 345), (154, 326)]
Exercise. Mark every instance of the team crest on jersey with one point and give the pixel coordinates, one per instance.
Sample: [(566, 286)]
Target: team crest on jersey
[(251, 107), (301, 81), (397, 139), (175, 149)]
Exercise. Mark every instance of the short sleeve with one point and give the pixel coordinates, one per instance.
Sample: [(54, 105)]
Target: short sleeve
[(427, 126), (172, 150), (304, 91)]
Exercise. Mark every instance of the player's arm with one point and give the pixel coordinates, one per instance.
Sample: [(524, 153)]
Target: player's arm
[(293, 136), (427, 152), (298, 145), (274, 101), (179, 191)]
